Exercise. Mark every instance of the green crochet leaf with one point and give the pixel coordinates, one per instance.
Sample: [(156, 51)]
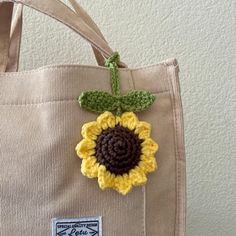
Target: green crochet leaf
[(98, 101), (136, 101)]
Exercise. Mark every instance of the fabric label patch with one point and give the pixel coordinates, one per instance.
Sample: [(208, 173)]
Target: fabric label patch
[(89, 226)]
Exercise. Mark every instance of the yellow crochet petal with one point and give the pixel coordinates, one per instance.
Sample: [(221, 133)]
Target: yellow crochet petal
[(91, 130), (148, 164), (129, 120), (123, 184), (105, 178), (143, 129), (118, 120), (85, 148), (149, 147), (137, 176), (106, 119), (89, 167)]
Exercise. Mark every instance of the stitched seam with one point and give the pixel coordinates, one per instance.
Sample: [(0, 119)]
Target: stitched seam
[(143, 188), (180, 157), (73, 66), (144, 210), (54, 68), (177, 156), (151, 66), (176, 172), (132, 79), (38, 103), (55, 101)]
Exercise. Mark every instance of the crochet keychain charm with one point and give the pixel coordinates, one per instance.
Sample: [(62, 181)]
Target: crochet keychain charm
[(117, 149)]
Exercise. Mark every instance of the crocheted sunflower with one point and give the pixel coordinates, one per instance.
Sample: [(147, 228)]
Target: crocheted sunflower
[(117, 149)]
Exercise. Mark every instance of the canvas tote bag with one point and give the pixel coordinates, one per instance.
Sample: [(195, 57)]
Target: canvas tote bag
[(43, 185)]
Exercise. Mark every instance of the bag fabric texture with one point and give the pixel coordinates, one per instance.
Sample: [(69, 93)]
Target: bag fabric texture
[(40, 125)]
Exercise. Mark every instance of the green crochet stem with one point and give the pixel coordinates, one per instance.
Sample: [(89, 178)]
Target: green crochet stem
[(111, 63), (101, 101)]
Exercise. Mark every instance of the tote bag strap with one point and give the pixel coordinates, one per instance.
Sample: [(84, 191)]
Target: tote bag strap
[(5, 25), (16, 30), (89, 21), (59, 11), (15, 41)]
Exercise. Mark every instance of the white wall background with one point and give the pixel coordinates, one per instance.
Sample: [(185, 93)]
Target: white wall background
[(201, 34)]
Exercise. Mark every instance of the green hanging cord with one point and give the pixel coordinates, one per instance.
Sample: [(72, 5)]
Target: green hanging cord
[(111, 63)]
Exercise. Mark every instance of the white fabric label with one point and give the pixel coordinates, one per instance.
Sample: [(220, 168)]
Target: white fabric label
[(89, 226)]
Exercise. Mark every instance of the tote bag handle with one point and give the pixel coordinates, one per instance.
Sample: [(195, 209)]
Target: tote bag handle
[(15, 40), (16, 30), (59, 11), (5, 26)]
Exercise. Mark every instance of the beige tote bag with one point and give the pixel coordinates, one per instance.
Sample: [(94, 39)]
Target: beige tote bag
[(43, 185)]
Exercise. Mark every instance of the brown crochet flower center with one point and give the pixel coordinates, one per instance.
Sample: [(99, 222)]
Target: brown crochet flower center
[(118, 149)]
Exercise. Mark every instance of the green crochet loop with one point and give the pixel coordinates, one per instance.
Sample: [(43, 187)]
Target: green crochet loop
[(101, 101), (111, 63)]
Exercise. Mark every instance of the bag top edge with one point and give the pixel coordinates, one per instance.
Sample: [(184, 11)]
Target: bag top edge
[(168, 62)]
